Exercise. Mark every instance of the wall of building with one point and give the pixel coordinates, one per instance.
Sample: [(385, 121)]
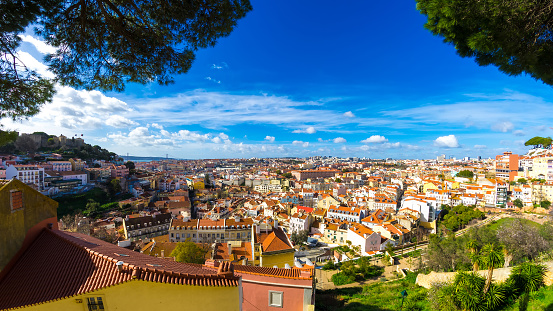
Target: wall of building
[(15, 224), (277, 259), (142, 295), (296, 293)]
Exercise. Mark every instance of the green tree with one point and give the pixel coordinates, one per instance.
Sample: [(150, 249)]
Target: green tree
[(114, 187), (7, 137), (130, 165), (299, 237), (104, 44), (189, 252), (545, 204), (522, 181), (518, 203), (491, 257), (538, 141), (514, 35), (465, 173)]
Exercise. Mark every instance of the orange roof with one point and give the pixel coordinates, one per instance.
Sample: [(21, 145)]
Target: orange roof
[(276, 241)]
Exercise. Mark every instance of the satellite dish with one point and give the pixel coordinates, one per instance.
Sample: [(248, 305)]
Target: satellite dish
[(287, 266), (308, 262), (298, 264)]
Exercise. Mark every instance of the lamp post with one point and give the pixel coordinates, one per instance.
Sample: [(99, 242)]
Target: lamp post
[(403, 295)]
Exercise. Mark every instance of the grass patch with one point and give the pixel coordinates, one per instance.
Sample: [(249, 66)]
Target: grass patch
[(494, 225), (539, 300), (378, 297)]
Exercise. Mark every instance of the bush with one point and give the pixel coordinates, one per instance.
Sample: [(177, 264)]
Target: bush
[(342, 279), (329, 266)]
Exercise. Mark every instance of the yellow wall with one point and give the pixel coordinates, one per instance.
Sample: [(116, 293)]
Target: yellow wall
[(14, 225), (141, 295), (278, 260), (199, 185), (428, 186)]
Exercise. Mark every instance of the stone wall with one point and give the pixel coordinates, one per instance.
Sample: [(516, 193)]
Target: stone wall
[(499, 275)]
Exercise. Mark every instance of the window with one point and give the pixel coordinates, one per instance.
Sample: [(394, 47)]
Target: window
[(275, 299), (16, 200), (95, 303)]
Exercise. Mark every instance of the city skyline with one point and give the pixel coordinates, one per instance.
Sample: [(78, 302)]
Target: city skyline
[(307, 79)]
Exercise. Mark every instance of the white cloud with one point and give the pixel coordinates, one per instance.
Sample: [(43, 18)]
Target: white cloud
[(213, 80), (503, 127), (339, 140), (519, 133), (270, 139), (157, 126), (218, 67), (308, 130), (375, 139), (191, 136), (40, 45), (119, 121), (349, 114), (25, 59), (304, 144), (480, 147), (449, 141)]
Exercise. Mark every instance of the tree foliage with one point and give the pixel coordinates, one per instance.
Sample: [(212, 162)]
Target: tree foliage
[(538, 141), (522, 241), (299, 238), (465, 174), (189, 252), (460, 216), (514, 35), (105, 44)]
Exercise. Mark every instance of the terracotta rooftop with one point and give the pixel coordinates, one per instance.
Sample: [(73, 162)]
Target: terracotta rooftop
[(276, 241), (61, 264)]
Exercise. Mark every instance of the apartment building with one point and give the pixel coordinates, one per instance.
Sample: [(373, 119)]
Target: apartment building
[(211, 231)]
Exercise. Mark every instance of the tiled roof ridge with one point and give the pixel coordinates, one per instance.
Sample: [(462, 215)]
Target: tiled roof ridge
[(293, 273), (156, 275)]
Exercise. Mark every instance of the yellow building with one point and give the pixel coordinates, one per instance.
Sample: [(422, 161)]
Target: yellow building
[(72, 271), (273, 249), (198, 184), (327, 201), (21, 208)]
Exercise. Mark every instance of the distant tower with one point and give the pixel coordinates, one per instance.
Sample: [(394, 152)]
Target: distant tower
[(166, 156)]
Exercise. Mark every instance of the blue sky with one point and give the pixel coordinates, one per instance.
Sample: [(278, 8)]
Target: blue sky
[(304, 78)]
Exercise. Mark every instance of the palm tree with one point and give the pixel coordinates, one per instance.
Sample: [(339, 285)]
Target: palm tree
[(472, 247), (527, 277), (492, 257)]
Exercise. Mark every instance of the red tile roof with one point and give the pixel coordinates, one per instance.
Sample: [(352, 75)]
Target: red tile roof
[(62, 264), (276, 241)]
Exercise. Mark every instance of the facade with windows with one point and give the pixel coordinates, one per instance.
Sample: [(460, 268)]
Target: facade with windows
[(211, 231), (146, 226)]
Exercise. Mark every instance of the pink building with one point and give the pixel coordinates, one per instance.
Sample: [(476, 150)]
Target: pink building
[(119, 171), (275, 288)]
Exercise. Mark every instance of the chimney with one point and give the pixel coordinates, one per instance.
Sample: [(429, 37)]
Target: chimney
[(275, 225), (229, 249), (119, 265), (162, 253)]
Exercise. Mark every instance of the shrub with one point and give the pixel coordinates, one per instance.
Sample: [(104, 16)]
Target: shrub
[(329, 266), (342, 279)]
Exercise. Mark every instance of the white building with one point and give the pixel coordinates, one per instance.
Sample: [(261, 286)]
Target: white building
[(368, 240), (28, 174)]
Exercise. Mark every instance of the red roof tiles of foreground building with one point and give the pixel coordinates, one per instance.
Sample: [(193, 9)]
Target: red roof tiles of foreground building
[(62, 264)]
